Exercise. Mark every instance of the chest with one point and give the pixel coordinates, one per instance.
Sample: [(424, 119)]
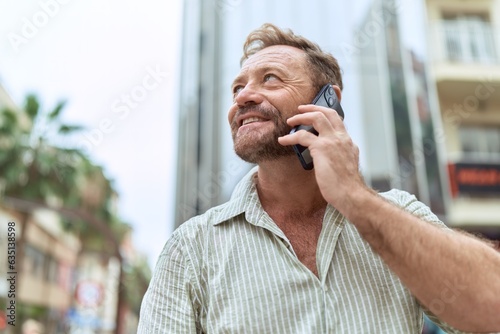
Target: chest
[(250, 282), (303, 235)]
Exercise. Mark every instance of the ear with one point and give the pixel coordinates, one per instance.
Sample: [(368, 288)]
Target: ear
[(338, 92)]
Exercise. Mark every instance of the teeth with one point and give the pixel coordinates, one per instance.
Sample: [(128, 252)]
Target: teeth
[(251, 120)]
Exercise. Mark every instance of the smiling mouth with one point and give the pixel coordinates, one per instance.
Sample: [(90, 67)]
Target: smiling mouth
[(252, 120)]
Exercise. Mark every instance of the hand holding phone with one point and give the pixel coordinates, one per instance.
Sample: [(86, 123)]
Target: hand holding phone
[(325, 98)]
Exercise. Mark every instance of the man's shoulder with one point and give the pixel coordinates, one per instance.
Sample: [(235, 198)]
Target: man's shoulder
[(398, 196), (207, 220), (410, 203)]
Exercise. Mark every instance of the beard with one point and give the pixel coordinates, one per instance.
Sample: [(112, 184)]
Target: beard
[(266, 146)]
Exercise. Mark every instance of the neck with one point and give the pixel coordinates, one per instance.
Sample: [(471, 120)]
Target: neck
[(284, 186)]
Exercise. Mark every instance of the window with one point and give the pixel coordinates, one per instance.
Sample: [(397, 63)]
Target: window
[(40, 265), (480, 142), (34, 261), (469, 38), (51, 269)]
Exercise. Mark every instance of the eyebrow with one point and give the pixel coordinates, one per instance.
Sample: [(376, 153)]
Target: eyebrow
[(238, 78)]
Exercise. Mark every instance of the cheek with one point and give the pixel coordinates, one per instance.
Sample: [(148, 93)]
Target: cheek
[(288, 110), (289, 103), (231, 113)]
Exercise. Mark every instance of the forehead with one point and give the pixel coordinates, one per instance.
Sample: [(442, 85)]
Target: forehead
[(277, 55)]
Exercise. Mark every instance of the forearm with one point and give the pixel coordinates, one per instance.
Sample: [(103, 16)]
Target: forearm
[(456, 277)]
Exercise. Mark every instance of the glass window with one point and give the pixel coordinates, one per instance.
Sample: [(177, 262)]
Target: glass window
[(480, 142), (51, 269), (469, 38), (469, 143), (34, 261), (493, 141)]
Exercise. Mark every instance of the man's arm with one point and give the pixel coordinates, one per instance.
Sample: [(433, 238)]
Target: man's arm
[(435, 264), (167, 306), (455, 276)]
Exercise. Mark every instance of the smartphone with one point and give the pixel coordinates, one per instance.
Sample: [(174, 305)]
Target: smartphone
[(325, 98)]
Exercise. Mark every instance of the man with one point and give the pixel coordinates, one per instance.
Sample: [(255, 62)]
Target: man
[(298, 251)]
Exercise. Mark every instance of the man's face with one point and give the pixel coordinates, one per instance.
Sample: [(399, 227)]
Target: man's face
[(271, 85)]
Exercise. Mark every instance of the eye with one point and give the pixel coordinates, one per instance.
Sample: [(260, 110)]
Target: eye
[(237, 89), (269, 77)]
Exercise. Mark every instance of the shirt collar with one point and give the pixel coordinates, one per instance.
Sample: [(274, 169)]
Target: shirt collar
[(243, 199)]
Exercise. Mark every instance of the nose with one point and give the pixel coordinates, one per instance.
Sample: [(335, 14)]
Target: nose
[(248, 96)]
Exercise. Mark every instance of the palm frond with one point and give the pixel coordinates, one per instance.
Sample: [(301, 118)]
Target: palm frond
[(32, 106), (57, 110), (69, 129)]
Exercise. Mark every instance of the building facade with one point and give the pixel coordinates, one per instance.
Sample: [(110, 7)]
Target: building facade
[(431, 107), (399, 115), (464, 44), (44, 280)]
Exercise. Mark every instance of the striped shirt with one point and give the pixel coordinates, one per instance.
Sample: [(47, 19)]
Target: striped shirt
[(232, 270)]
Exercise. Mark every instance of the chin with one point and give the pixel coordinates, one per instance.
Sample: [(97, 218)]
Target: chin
[(259, 146), (255, 153)]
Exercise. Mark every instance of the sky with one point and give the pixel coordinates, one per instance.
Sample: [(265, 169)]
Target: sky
[(115, 62)]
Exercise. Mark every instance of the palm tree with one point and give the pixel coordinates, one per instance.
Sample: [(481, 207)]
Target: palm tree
[(37, 170), (31, 167), (36, 166)]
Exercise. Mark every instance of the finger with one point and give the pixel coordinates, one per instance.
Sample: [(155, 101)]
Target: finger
[(331, 114), (301, 137), (316, 119)]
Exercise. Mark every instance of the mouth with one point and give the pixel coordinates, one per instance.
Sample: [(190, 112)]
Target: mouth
[(250, 124), (253, 119)]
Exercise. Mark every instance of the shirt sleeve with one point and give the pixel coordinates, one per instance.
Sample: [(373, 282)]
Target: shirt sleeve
[(167, 306), (410, 203)]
